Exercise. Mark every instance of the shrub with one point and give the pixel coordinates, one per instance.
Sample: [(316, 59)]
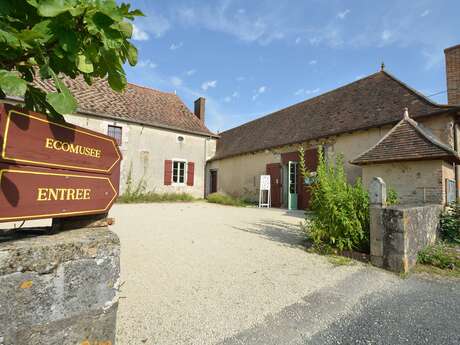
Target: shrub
[(450, 224), (440, 255), (217, 198), (340, 210), (392, 197)]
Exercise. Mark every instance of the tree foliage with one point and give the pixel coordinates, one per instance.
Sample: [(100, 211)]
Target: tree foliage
[(51, 38)]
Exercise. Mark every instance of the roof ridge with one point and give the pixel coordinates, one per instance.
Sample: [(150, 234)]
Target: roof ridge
[(304, 101), (420, 129), (417, 93)]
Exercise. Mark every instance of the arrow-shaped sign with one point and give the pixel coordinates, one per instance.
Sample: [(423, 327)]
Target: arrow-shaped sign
[(29, 138), (33, 193)]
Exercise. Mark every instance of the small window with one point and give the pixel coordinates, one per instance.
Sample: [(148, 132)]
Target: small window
[(178, 172), (115, 132)]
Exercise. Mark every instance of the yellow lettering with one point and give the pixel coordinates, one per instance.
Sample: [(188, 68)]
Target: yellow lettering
[(42, 195), (53, 194), (86, 194), (55, 145), (70, 147), (71, 194), (49, 143), (79, 194)]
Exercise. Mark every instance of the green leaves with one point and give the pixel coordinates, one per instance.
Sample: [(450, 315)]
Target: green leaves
[(12, 84), (49, 38), (52, 8), (62, 101), (84, 64)]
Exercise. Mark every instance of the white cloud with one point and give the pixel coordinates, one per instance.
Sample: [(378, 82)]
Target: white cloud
[(386, 35), (176, 81), (306, 92), (175, 46), (234, 95), (240, 78), (425, 13), (147, 63), (297, 40), (260, 90), (342, 15), (313, 62), (263, 27), (151, 25), (190, 72), (208, 84), (139, 35)]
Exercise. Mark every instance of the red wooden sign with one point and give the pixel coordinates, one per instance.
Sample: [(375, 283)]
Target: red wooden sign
[(54, 169), (32, 139)]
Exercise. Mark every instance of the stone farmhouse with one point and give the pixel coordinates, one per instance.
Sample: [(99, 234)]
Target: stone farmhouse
[(421, 163), (165, 146)]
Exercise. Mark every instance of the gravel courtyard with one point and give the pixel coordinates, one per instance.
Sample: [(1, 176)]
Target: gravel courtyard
[(197, 273)]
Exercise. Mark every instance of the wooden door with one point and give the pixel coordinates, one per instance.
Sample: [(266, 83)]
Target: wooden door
[(213, 174), (274, 170)]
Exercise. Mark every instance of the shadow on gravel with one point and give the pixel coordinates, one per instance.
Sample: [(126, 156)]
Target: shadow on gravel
[(277, 231)]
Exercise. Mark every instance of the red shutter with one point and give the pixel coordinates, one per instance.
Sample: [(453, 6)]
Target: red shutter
[(168, 172), (190, 173)]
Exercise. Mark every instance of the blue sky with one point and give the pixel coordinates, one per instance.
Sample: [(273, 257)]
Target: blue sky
[(250, 58)]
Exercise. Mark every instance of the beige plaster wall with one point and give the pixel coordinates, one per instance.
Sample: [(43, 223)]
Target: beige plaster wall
[(416, 182), (146, 148), (239, 175)]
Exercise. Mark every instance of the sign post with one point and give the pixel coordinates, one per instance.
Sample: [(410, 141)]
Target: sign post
[(52, 169), (265, 187)]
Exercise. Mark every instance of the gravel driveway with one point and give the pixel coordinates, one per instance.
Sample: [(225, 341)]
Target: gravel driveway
[(197, 273)]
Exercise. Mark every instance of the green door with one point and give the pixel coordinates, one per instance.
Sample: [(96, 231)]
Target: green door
[(292, 190)]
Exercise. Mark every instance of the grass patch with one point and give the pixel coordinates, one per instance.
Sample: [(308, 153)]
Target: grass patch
[(337, 260), (441, 258), (151, 197), (222, 199)]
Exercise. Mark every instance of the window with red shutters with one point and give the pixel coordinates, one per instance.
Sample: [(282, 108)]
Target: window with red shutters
[(190, 173), (168, 172)]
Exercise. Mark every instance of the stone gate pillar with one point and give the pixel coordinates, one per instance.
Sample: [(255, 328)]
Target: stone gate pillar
[(378, 197)]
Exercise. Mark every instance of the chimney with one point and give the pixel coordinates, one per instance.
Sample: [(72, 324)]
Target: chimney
[(199, 108), (453, 74)]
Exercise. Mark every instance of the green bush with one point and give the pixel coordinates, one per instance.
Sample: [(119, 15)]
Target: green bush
[(450, 224), (392, 197), (217, 198), (340, 210), (440, 255)]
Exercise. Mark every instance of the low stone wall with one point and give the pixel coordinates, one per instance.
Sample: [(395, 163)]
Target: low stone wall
[(398, 233), (59, 289)]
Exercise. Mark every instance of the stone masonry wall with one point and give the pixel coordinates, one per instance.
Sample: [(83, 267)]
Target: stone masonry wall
[(453, 74), (59, 289), (406, 231)]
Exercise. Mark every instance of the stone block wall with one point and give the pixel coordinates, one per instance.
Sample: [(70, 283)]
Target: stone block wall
[(453, 74), (59, 289), (399, 233)]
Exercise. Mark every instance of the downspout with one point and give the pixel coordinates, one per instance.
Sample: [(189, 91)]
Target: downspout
[(457, 166)]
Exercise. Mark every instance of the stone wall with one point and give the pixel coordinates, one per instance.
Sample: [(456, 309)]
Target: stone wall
[(59, 289), (398, 233)]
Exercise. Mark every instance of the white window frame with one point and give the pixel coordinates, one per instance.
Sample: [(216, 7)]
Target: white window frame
[(179, 160)]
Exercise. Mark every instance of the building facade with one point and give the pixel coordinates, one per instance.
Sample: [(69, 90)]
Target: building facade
[(344, 122)]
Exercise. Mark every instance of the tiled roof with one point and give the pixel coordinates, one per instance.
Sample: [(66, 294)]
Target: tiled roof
[(137, 104), (407, 141), (373, 101)]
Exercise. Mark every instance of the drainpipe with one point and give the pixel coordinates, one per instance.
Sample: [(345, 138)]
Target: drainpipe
[(457, 166)]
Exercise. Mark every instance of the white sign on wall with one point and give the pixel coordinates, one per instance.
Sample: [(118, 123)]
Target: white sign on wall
[(264, 190)]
